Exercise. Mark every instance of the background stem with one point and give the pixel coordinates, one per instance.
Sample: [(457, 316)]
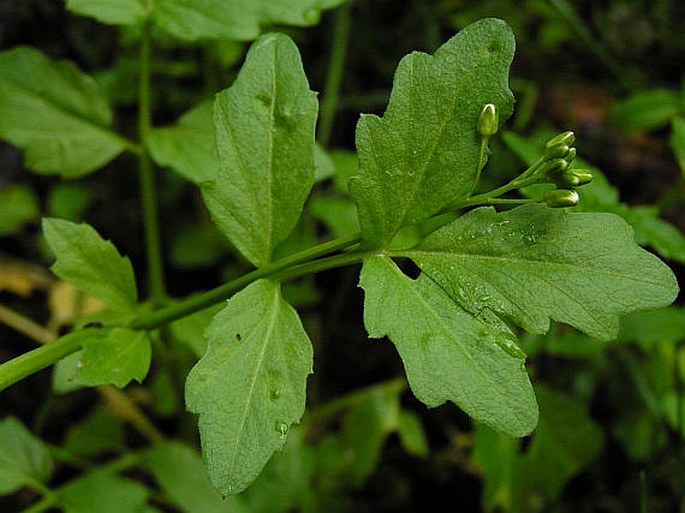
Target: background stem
[(148, 187)]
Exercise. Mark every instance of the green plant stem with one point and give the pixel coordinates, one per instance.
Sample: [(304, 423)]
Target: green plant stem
[(148, 187), (336, 67), (38, 359)]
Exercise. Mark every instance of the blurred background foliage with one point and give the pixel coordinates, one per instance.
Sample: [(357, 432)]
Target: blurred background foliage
[(612, 421)]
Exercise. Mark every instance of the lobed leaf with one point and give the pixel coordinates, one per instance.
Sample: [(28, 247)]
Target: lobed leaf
[(448, 353), (24, 459), (55, 114), (91, 264), (265, 137), (250, 385), (533, 264), (423, 154)]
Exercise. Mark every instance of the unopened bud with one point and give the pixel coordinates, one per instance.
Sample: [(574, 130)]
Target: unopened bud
[(567, 138), (584, 176), (488, 121), (558, 151), (557, 198)]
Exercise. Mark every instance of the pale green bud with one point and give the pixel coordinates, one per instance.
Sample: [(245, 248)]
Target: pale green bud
[(488, 121), (557, 198)]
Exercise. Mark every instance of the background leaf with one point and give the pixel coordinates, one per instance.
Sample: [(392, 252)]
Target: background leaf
[(448, 354), (245, 414), (90, 263), (23, 457), (111, 493), (265, 137), (18, 206), (55, 114), (423, 154), (188, 146), (533, 264), (179, 471), (113, 12)]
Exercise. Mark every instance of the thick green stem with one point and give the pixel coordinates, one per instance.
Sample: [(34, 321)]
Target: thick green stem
[(336, 66), (148, 187), (40, 358)]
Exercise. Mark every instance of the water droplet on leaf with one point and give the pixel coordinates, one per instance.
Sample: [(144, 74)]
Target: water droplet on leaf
[(274, 394), (281, 429)]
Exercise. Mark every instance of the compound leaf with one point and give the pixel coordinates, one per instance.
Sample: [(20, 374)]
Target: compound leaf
[(188, 146), (113, 12), (250, 385), (24, 459), (423, 153), (265, 137), (533, 264), (448, 354), (114, 356), (55, 114), (90, 263)]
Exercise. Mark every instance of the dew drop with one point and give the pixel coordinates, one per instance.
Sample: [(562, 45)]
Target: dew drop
[(274, 394), (79, 364), (509, 346), (522, 367), (282, 430)]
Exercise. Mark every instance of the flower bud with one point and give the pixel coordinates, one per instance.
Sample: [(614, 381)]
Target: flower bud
[(557, 198), (583, 175), (558, 151), (567, 138), (488, 121)]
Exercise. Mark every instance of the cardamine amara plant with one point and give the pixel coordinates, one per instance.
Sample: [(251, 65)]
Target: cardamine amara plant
[(452, 273)]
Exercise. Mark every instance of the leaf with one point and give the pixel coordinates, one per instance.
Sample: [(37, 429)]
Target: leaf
[(666, 325), (411, 433), (24, 459), (448, 354), (652, 231), (55, 114), (113, 12), (19, 207), (111, 494), (179, 472), (193, 20), (646, 110), (265, 137), (424, 153), (533, 264), (101, 431), (188, 146), (245, 414), (91, 264), (677, 141), (114, 356)]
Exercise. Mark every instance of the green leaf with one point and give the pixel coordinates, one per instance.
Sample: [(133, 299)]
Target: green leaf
[(193, 20), (448, 354), (337, 213), (424, 153), (179, 471), (111, 494), (367, 426), (189, 330), (677, 141), (114, 356), (55, 114), (533, 264), (659, 326), (652, 231), (113, 12), (411, 433), (101, 431), (90, 263), (18, 207), (265, 137), (24, 459), (68, 201), (245, 414), (646, 110), (188, 146)]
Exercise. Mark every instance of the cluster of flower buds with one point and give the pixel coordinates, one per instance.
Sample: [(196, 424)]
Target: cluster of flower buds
[(557, 169)]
